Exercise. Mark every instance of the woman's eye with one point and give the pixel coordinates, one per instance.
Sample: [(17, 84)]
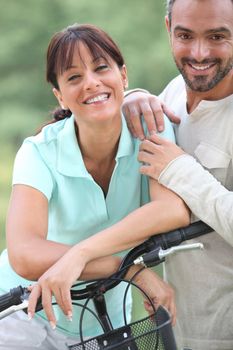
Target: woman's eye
[(102, 67), (73, 77)]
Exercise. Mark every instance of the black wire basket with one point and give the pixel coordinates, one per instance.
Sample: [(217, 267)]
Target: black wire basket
[(151, 333)]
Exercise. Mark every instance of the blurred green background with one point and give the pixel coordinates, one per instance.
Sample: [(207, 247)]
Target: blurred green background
[(25, 29)]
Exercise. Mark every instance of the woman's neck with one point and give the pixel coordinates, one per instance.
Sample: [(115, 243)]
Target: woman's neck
[(99, 147), (99, 144)]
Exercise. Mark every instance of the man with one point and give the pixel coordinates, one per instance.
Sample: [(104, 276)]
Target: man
[(201, 169)]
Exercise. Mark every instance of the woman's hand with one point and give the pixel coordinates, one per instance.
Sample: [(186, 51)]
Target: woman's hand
[(57, 281), (158, 290), (151, 107)]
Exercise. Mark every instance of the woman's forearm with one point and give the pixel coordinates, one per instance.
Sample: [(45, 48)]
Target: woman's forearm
[(43, 254), (153, 218), (31, 254)]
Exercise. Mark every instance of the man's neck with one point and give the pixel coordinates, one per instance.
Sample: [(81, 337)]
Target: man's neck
[(222, 90)]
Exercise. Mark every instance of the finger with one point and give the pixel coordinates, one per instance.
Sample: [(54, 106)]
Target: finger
[(47, 306), (33, 299), (173, 312), (128, 121), (156, 139), (148, 146), (149, 116), (66, 302), (168, 301), (30, 287), (149, 308), (170, 114), (149, 155), (63, 300), (158, 114), (135, 118), (171, 307), (152, 145), (145, 157)]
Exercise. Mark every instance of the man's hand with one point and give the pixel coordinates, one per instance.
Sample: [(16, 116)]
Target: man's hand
[(137, 104), (160, 292), (156, 153)]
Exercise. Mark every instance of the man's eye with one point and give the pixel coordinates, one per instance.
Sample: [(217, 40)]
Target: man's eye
[(217, 37), (184, 36)]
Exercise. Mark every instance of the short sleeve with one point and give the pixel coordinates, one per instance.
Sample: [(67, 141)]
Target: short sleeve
[(30, 169), (168, 132)]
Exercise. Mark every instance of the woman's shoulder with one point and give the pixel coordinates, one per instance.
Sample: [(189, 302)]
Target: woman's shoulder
[(49, 133), (44, 145)]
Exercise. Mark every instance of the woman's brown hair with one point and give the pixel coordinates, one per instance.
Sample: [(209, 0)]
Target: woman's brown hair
[(61, 49)]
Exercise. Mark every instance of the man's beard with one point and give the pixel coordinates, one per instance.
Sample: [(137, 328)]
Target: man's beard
[(200, 83)]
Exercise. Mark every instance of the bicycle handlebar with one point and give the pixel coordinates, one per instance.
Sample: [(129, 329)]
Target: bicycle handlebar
[(150, 248), (175, 237)]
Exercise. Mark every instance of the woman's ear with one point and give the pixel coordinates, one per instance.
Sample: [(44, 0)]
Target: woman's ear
[(124, 76), (58, 96)]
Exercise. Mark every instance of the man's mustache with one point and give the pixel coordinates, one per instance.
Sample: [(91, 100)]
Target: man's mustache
[(206, 61)]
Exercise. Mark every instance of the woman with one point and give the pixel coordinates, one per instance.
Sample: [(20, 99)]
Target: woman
[(80, 176)]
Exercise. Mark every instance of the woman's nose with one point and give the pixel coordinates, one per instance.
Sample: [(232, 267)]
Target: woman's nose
[(91, 81)]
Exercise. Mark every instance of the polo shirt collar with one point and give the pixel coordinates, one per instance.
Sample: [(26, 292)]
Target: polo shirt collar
[(69, 157)]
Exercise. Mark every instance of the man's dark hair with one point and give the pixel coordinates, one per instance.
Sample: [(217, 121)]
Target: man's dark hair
[(170, 4)]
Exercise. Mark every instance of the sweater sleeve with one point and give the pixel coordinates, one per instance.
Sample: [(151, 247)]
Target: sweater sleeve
[(208, 199)]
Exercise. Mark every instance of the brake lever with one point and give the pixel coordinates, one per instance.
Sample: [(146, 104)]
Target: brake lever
[(158, 255), (163, 253), (13, 309)]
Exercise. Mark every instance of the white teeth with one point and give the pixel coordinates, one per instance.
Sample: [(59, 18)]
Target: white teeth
[(200, 67), (97, 98)]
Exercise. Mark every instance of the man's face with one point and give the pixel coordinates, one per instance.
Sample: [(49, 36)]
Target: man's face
[(201, 36)]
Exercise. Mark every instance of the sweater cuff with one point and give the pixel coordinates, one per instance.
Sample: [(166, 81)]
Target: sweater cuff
[(176, 168), (129, 92)]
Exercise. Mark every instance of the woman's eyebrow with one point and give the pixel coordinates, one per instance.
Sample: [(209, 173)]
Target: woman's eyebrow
[(96, 59)]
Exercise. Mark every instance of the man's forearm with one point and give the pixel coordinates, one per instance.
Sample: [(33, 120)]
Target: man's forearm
[(203, 193)]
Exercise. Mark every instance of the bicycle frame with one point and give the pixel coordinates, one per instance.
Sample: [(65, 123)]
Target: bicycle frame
[(150, 253)]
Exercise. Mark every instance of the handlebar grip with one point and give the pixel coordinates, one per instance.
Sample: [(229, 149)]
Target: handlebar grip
[(196, 229), (11, 298), (175, 237)]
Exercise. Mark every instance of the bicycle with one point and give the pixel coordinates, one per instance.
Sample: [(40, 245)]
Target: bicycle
[(152, 332)]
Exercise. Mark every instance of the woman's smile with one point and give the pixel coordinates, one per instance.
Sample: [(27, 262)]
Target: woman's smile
[(99, 98), (94, 90)]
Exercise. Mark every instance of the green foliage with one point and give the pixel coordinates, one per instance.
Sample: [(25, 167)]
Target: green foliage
[(26, 27)]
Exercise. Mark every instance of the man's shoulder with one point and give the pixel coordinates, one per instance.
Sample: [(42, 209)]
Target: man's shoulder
[(178, 81), (174, 89)]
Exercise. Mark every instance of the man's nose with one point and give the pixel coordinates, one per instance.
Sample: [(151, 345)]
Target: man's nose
[(200, 50)]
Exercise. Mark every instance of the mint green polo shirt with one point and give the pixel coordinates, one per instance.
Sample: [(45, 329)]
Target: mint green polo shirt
[(52, 163)]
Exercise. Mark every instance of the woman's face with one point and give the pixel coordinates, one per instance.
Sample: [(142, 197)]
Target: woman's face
[(92, 89)]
